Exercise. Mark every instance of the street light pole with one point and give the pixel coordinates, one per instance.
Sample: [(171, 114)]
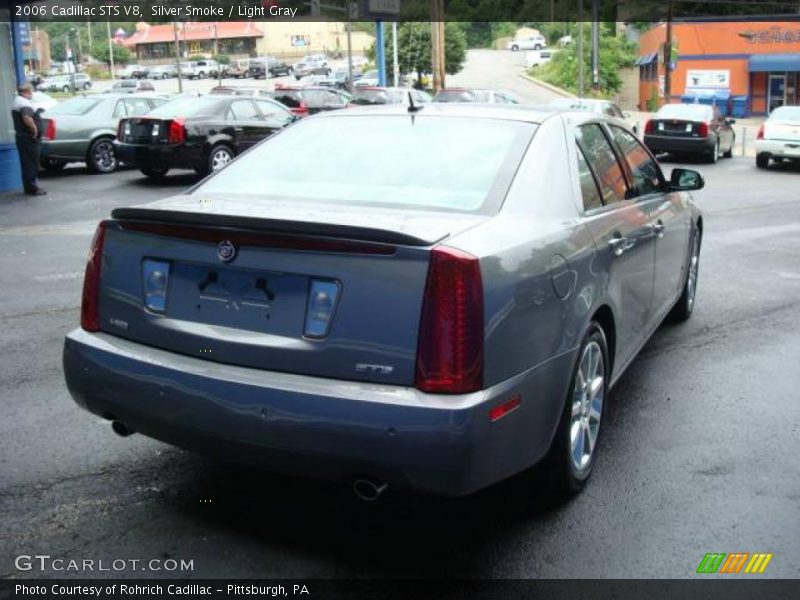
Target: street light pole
[(177, 56), (110, 50), (580, 49)]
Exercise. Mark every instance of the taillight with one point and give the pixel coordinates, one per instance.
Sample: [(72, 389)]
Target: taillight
[(650, 127), (702, 130), (450, 345), (90, 301), (301, 110), (176, 133), (760, 134), (50, 133)]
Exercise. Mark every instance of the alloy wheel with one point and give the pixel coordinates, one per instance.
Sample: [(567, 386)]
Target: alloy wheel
[(587, 406), (219, 158), (103, 156), (691, 280)]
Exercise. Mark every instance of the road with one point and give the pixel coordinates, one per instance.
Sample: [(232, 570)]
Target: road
[(698, 452)]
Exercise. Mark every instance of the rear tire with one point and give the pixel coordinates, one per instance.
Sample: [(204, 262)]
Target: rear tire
[(762, 161), (713, 156), (218, 158), (729, 153), (574, 450), (685, 305), (514, 48)]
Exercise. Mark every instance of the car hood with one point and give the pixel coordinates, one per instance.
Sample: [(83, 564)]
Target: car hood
[(404, 226)]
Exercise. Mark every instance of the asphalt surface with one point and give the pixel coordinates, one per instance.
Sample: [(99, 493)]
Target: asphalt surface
[(698, 453)]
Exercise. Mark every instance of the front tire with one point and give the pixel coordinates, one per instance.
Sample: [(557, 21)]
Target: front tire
[(762, 161), (574, 449), (101, 157), (685, 305), (514, 48)]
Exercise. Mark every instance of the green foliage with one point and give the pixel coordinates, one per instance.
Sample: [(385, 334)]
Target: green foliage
[(414, 48), (616, 52), (59, 31), (223, 59), (97, 72), (197, 57), (122, 56)]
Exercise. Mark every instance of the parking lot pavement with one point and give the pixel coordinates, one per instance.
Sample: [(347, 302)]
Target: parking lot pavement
[(698, 453)]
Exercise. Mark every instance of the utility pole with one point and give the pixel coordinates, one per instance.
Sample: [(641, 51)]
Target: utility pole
[(580, 49), (89, 27), (349, 57), (595, 46), (437, 44), (216, 53), (177, 56), (395, 62), (110, 51), (668, 56)]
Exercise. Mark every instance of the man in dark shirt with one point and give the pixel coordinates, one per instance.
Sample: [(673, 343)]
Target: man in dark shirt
[(27, 128)]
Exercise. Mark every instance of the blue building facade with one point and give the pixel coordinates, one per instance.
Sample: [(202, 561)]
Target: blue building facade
[(10, 65)]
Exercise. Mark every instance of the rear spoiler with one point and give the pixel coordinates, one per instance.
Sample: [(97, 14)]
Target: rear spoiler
[(255, 224)]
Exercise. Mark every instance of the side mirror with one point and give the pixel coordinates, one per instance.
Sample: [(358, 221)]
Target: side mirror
[(684, 180)]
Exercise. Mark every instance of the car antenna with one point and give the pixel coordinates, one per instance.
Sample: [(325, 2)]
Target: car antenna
[(413, 108)]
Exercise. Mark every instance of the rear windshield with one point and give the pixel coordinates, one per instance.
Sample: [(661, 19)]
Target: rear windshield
[(368, 97), (74, 106), (290, 99), (691, 112), (189, 107), (785, 113), (455, 96), (442, 163)]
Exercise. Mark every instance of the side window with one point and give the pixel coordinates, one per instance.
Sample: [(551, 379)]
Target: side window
[(136, 106), (243, 110), (589, 191), (273, 112), (647, 176), (119, 109), (603, 162)]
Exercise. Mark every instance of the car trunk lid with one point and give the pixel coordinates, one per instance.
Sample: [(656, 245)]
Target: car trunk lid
[(782, 131)]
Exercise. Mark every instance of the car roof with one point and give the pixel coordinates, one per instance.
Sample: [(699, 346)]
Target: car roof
[(509, 112)]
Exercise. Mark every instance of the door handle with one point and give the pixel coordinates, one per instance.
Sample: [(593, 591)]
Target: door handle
[(620, 245)]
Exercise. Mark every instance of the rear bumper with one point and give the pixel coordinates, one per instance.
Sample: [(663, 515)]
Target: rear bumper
[(318, 427), (778, 149), (663, 143), (181, 156)]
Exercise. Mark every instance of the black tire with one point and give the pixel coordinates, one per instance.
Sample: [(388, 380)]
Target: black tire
[(52, 165), (713, 154), (65, 89), (101, 157), (537, 47), (684, 307), (567, 478), (154, 172), (86, 86), (216, 158), (762, 161), (729, 152), (514, 48)]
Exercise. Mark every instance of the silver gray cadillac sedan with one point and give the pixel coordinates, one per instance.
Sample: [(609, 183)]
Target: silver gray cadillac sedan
[(435, 298)]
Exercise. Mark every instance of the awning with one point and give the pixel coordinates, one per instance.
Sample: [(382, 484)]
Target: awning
[(646, 59), (774, 62)]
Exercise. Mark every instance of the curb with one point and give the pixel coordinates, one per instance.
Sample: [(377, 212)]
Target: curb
[(548, 86)]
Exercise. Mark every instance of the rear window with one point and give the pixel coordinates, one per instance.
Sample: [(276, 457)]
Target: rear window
[(454, 96), (74, 106), (442, 163), (689, 112), (290, 99), (785, 113), (189, 107)]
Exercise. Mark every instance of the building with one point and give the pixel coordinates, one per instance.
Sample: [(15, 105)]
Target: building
[(36, 53), (756, 59), (155, 43), (9, 159)]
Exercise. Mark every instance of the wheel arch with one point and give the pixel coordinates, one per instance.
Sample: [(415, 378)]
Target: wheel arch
[(604, 317)]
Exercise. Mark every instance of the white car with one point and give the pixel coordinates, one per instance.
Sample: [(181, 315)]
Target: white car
[(537, 58), (531, 42), (778, 139), (42, 101), (370, 79)]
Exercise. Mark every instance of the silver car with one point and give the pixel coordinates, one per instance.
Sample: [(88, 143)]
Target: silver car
[(435, 298)]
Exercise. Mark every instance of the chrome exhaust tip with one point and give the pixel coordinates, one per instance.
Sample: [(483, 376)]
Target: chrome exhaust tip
[(121, 429), (369, 490)]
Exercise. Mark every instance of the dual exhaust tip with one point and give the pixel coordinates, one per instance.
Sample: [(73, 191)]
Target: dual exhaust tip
[(368, 490)]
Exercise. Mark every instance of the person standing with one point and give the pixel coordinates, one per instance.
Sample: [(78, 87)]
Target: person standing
[(27, 127)]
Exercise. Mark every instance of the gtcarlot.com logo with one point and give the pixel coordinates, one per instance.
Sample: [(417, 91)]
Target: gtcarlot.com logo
[(44, 562), (734, 563)]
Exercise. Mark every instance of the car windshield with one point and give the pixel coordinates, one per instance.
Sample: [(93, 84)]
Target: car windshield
[(427, 162), (74, 106), (188, 107), (785, 113), (689, 112)]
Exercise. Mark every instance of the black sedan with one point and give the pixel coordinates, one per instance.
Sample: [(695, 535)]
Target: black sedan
[(203, 133), (696, 129), (310, 100)]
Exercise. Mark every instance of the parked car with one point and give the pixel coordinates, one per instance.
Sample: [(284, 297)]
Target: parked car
[(65, 83), (474, 95), (83, 128), (373, 96), (368, 79), (242, 90), (309, 100), (133, 72), (201, 69), (339, 79), (597, 106), (778, 139), (42, 101), (203, 133), (441, 313), (531, 42), (130, 86), (696, 129), (537, 58), (304, 69), (237, 69), (163, 71)]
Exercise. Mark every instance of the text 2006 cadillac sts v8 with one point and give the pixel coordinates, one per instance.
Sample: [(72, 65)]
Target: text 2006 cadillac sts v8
[(438, 311)]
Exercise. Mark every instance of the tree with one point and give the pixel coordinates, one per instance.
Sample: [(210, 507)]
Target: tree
[(414, 48), (122, 56)]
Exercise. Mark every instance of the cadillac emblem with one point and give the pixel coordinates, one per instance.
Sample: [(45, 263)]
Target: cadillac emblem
[(226, 251)]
